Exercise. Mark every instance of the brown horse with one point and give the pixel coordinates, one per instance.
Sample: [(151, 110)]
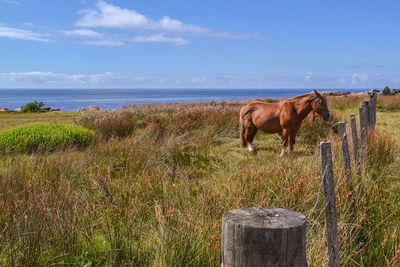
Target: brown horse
[(284, 117)]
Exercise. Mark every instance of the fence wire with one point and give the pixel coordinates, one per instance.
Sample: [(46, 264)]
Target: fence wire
[(319, 190)]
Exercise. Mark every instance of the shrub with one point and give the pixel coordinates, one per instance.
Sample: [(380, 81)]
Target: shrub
[(33, 107), (43, 136)]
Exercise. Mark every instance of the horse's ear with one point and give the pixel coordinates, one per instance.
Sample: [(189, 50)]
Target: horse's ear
[(321, 93), (318, 94)]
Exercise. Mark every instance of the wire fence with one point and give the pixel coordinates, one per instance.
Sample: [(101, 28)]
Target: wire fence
[(367, 122), (319, 193)]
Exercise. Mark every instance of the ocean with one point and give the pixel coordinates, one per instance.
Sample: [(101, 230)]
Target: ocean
[(72, 99)]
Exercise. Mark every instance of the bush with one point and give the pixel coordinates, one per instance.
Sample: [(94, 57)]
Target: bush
[(33, 107), (43, 136)]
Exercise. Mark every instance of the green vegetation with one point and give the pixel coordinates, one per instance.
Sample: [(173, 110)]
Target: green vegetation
[(33, 107), (8, 120), (152, 188), (43, 136)]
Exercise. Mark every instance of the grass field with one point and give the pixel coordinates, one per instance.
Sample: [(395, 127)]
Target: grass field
[(8, 120), (153, 186)]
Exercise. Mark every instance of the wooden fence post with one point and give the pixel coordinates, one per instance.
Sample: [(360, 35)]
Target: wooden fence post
[(365, 105), (354, 136), (330, 209), (364, 130), (346, 154), (372, 111), (263, 237)]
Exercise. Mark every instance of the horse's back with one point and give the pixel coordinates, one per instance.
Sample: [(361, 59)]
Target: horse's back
[(265, 116), (260, 105)]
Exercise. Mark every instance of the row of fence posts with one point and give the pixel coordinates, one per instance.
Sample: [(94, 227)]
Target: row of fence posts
[(277, 237), (367, 113)]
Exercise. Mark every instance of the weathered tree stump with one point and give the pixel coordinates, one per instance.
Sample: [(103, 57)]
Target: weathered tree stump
[(263, 237)]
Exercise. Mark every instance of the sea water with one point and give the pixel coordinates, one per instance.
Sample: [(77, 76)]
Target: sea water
[(72, 99)]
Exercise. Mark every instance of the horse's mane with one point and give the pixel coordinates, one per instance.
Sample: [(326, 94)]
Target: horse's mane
[(305, 95), (296, 97), (300, 96)]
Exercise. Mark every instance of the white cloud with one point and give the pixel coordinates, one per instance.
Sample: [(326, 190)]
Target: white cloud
[(104, 43), (374, 80), (174, 25), (82, 33), (308, 77), (110, 16), (12, 2), (159, 38), (35, 77), (15, 33), (106, 15), (115, 80), (359, 78)]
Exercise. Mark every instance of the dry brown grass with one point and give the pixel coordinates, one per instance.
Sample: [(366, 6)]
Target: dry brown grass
[(388, 103), (156, 196), (108, 124), (347, 101), (384, 103)]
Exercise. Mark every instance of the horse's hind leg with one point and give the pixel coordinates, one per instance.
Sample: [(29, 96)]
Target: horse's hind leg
[(247, 131), (292, 139), (285, 135), (249, 137)]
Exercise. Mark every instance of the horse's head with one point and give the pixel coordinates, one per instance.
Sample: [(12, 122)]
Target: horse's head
[(320, 105)]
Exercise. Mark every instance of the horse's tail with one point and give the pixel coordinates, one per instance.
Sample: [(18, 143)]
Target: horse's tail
[(243, 142)]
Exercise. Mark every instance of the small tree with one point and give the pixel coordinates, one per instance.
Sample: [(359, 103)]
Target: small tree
[(33, 107)]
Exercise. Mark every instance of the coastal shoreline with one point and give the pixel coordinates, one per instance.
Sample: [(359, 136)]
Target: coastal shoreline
[(93, 106)]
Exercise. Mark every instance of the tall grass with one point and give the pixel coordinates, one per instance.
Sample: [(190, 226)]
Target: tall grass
[(108, 123), (346, 101), (388, 103), (156, 196), (384, 103), (314, 130)]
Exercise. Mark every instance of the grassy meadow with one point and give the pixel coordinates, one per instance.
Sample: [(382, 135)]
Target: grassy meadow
[(152, 187)]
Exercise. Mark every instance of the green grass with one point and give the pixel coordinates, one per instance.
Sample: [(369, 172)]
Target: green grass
[(8, 120), (154, 195), (43, 136)]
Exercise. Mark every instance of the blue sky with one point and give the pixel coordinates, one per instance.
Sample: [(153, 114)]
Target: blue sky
[(199, 44)]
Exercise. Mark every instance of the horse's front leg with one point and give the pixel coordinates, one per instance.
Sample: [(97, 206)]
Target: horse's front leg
[(285, 135)]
